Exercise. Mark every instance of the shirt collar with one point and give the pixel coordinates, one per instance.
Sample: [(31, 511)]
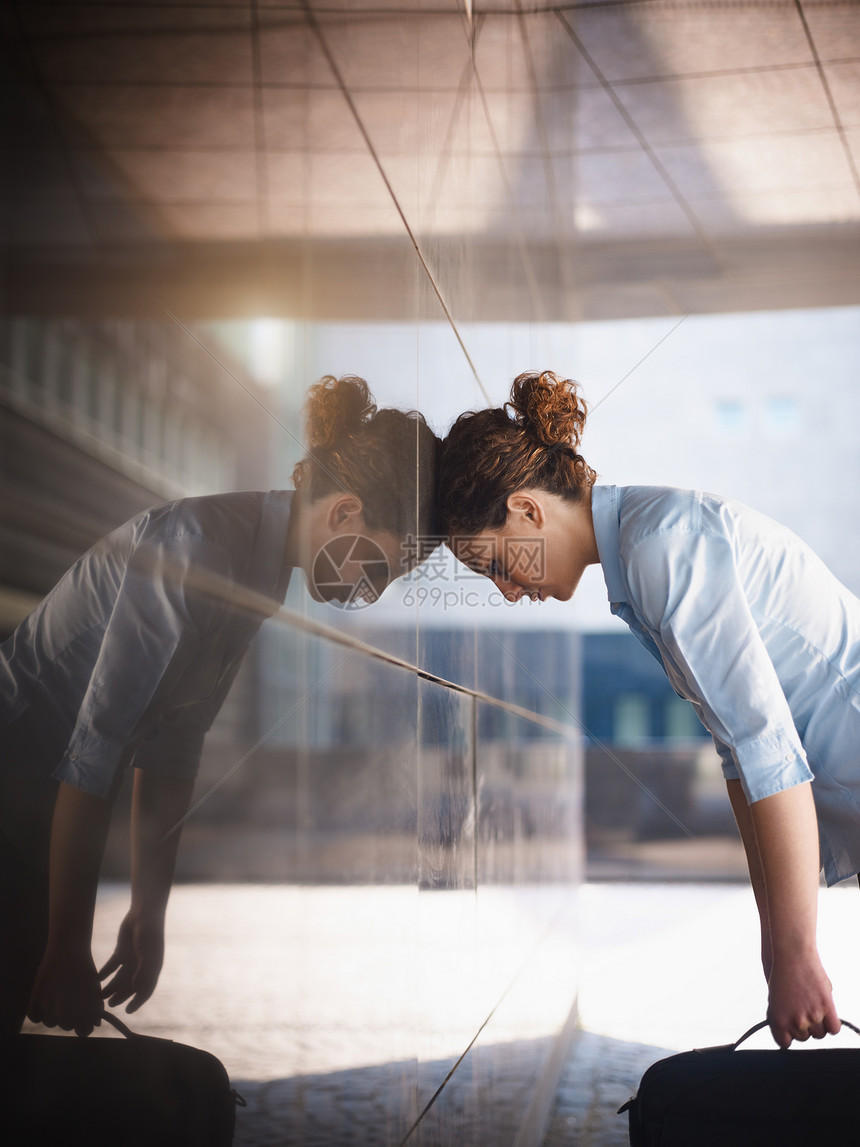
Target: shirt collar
[(272, 574), (605, 513)]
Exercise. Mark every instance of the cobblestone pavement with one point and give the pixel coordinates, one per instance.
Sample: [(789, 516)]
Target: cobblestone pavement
[(340, 1012), (661, 968), (670, 967), (353, 1108), (599, 1076)]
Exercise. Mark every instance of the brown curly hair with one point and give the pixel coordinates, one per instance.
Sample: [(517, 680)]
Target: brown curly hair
[(530, 442), (387, 458)]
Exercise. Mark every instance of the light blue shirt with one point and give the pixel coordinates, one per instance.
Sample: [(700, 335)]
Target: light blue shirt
[(135, 648), (752, 628)]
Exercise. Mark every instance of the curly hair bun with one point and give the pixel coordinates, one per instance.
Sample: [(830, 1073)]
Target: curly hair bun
[(548, 407), (336, 408)]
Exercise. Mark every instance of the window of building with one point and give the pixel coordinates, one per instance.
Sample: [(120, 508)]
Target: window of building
[(631, 719), (782, 417), (680, 722), (732, 416)]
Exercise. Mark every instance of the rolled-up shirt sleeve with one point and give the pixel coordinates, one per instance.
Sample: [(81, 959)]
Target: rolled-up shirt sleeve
[(151, 637), (686, 587)]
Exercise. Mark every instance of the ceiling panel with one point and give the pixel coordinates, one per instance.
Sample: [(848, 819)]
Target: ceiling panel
[(843, 80), (707, 149), (186, 176), (835, 28), (165, 115), (728, 106), (147, 57), (727, 169), (599, 124), (647, 40)]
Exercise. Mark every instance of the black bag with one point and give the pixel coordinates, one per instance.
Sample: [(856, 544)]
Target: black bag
[(140, 1091), (722, 1097)]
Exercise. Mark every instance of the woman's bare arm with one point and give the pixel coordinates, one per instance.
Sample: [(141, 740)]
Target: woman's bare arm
[(66, 992), (785, 834), (743, 817), (158, 804)]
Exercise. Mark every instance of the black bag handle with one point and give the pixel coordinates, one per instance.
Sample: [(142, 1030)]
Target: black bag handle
[(125, 1030), (116, 1022), (766, 1023)]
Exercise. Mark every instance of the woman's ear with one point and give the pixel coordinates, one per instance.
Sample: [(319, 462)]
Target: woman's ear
[(345, 513), (527, 508)]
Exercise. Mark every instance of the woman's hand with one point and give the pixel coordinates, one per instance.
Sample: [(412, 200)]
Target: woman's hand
[(800, 1001), (136, 960), (780, 834), (66, 992)]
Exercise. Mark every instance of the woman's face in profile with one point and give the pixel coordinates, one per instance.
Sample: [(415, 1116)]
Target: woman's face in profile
[(531, 555), (512, 564), (346, 563), (352, 568)]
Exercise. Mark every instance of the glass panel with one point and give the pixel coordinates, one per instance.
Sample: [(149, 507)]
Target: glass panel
[(529, 793), (320, 797), (449, 996), (210, 207)]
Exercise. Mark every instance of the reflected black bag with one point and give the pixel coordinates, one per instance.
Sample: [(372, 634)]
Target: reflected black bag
[(722, 1097), (140, 1091)]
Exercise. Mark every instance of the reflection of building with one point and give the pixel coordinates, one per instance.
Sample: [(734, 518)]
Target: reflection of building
[(328, 790), (650, 769), (536, 670), (99, 420), (644, 746), (627, 698)]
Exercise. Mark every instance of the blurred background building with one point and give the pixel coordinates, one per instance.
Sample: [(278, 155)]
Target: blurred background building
[(207, 206)]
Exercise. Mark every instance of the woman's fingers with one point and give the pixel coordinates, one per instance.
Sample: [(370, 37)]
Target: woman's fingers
[(139, 984), (118, 990), (86, 1024), (111, 966), (800, 1001), (37, 1015), (804, 1028), (135, 964), (144, 985), (781, 1035), (74, 1013), (121, 986)]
